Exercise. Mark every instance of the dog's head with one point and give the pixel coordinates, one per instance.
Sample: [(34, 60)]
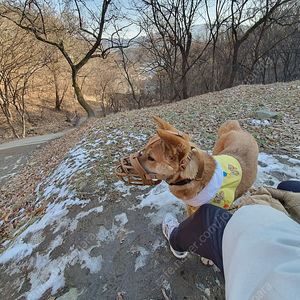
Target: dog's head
[(166, 154), (167, 151)]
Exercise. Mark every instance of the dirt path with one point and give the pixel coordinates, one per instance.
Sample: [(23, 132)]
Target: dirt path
[(104, 245), (96, 249), (109, 242)]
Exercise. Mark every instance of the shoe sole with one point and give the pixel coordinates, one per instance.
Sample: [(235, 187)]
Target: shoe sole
[(184, 255)]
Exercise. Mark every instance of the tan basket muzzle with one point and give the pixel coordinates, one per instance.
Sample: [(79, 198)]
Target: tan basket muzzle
[(131, 172)]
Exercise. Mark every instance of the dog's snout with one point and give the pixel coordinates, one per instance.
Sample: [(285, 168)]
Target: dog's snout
[(131, 171)]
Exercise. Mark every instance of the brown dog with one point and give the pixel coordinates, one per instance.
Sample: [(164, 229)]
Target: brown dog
[(195, 176)]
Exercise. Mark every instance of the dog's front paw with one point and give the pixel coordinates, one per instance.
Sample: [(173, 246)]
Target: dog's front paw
[(206, 261)]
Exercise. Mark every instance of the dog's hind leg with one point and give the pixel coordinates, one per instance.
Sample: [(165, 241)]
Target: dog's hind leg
[(188, 211)]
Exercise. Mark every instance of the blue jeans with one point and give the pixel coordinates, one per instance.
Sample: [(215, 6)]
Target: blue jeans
[(290, 185), (202, 233)]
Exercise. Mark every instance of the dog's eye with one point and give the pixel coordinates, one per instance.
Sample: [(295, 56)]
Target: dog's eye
[(151, 158)]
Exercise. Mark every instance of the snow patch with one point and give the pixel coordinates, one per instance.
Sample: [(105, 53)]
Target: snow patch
[(270, 165), (161, 201), (260, 122), (141, 259), (108, 235), (17, 252), (158, 197), (122, 218), (82, 214)]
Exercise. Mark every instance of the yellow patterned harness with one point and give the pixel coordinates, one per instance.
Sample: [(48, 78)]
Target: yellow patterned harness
[(229, 180)]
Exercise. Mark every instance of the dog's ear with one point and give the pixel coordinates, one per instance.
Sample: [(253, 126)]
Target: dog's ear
[(166, 126), (163, 124), (178, 146)]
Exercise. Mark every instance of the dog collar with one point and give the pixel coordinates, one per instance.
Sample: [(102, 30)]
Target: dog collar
[(184, 163), (182, 182)]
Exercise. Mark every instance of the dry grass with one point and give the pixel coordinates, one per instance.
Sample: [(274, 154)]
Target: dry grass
[(200, 116)]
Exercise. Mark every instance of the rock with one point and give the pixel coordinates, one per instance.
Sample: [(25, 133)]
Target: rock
[(265, 114), (72, 294)]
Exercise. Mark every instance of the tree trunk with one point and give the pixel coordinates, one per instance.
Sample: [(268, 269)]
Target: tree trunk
[(79, 95), (234, 65), (185, 94), (9, 122), (184, 79), (57, 99)]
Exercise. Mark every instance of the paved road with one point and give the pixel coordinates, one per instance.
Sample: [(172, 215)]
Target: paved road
[(13, 155)]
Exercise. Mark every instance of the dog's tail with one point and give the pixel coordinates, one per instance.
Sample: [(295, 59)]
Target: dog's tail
[(229, 126)]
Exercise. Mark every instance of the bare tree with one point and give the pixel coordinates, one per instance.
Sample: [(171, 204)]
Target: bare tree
[(135, 73), (65, 25), (105, 82), (216, 19), (281, 45), (250, 18), (19, 60), (55, 67), (173, 21)]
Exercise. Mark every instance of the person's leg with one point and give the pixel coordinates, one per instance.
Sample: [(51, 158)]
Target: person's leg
[(202, 233), (289, 185)]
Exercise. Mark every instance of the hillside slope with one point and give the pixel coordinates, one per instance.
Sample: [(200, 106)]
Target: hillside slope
[(69, 226)]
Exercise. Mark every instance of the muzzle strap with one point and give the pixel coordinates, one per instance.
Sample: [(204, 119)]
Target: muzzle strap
[(131, 172), (146, 178)]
